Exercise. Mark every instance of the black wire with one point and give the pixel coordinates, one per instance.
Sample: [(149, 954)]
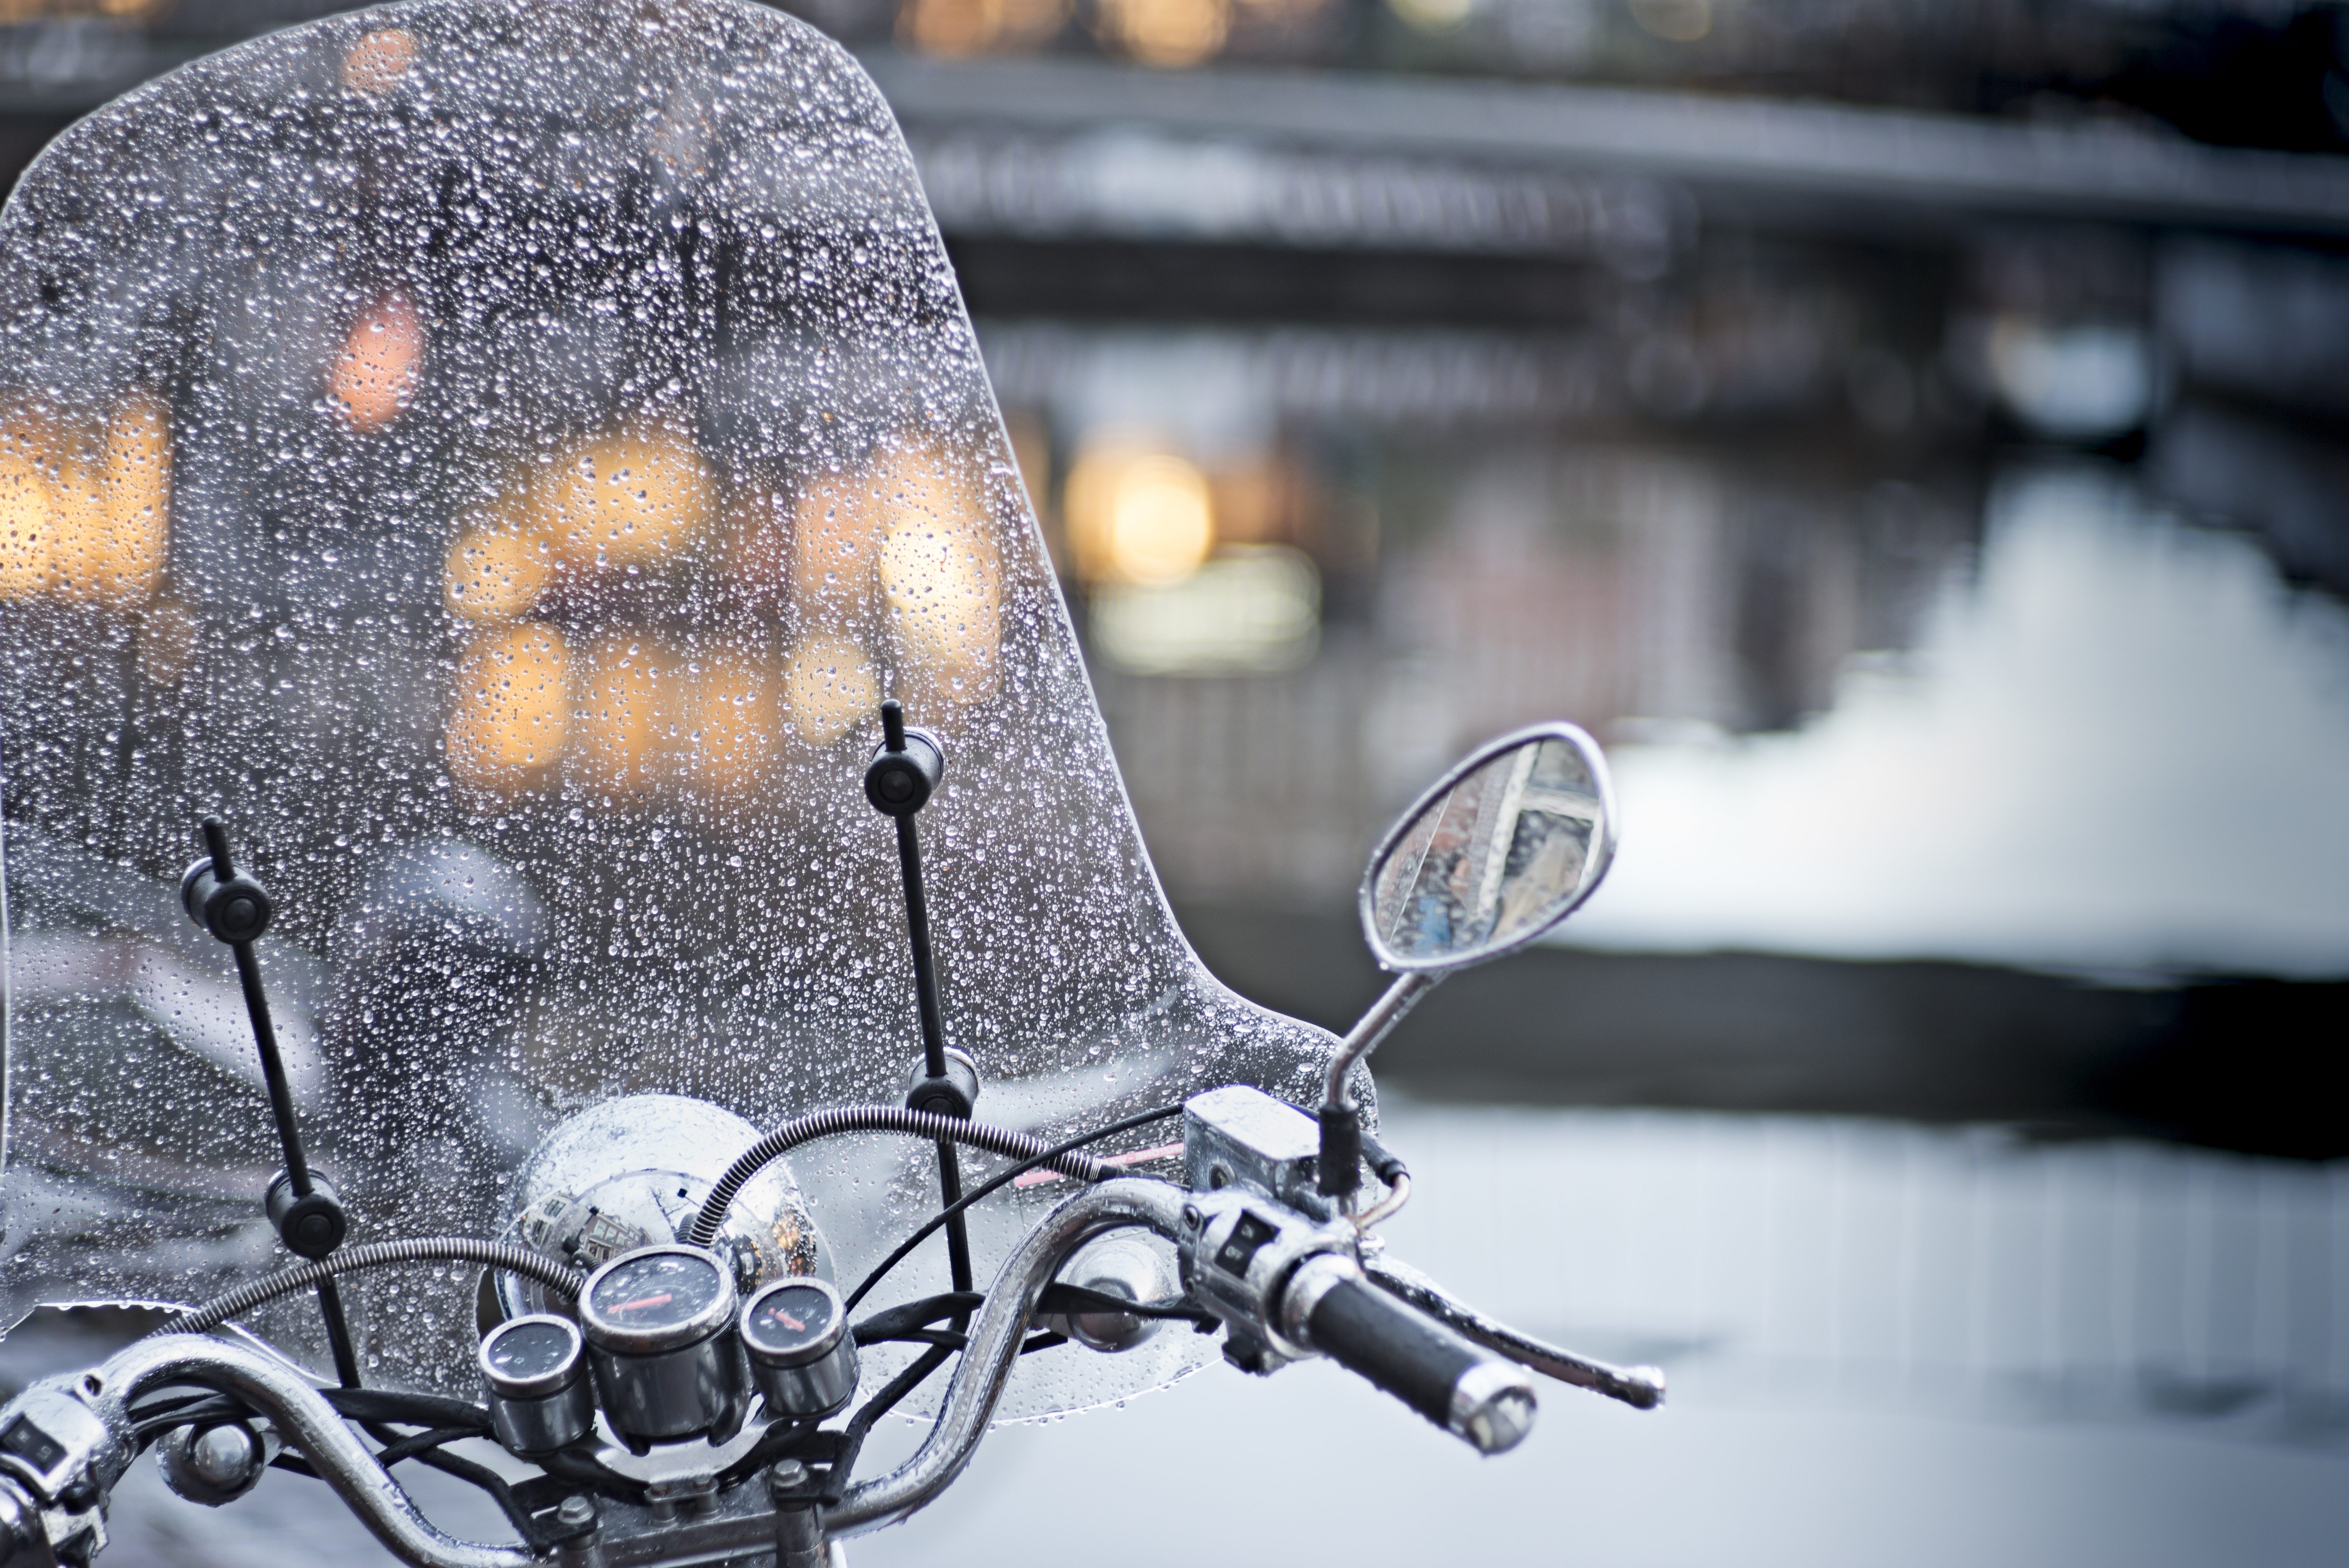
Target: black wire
[(595, 1473), (156, 1416), (407, 1409), (945, 1338), (845, 1118), (1383, 1164), (919, 1314), (508, 1256), (490, 1482), (943, 1215), (1067, 1300), (779, 1436), (411, 1447), (851, 1436), (166, 1403), (147, 1427), (949, 1339), (464, 1470), (854, 1434)]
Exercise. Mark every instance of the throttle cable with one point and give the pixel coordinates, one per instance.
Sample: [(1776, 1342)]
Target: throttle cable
[(1048, 1156), (882, 1118)]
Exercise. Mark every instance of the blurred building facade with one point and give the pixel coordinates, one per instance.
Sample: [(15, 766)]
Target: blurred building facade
[(1386, 373)]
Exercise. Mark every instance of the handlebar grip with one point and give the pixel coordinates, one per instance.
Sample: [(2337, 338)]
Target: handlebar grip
[(1332, 1308)]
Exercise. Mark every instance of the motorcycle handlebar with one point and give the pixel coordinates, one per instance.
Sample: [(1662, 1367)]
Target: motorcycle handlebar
[(1334, 1309), (1641, 1387)]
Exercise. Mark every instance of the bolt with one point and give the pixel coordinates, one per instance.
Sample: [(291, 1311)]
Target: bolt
[(786, 1475), (225, 1457), (575, 1512)]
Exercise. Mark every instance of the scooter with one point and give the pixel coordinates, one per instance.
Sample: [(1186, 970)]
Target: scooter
[(503, 457)]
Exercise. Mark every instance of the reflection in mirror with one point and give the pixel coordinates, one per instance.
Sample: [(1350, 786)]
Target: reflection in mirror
[(1502, 853)]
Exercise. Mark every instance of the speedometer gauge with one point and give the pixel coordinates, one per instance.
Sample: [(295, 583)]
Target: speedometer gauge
[(659, 1325)]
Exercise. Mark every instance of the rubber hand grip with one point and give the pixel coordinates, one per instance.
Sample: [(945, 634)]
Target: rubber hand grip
[(1460, 1387)]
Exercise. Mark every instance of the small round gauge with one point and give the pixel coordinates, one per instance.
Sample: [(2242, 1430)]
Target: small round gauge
[(540, 1397), (795, 1320), (531, 1356), (801, 1355), (656, 1299)]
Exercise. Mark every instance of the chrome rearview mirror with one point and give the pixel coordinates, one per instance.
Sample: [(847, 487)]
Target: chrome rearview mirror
[(1505, 846), (1502, 848)]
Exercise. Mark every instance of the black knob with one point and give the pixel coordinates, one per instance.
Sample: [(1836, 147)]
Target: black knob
[(312, 1226), (899, 782), (237, 910)]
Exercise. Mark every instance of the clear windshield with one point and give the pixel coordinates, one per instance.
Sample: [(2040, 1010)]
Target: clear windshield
[(498, 454)]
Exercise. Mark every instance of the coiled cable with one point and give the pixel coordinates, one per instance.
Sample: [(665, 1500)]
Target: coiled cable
[(878, 1118), (505, 1255)]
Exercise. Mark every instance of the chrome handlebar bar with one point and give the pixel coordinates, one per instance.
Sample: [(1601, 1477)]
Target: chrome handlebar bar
[(994, 1346), (86, 1418), (65, 1441)]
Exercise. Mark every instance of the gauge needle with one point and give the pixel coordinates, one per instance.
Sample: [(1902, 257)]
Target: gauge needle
[(663, 1299), (790, 1322)]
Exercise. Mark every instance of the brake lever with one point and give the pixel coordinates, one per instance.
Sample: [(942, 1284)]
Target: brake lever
[(1641, 1387)]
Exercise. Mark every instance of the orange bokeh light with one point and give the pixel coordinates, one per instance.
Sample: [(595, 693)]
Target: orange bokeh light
[(375, 375), (512, 712), (378, 61)]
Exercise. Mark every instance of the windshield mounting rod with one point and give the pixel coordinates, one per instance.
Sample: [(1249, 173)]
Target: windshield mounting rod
[(304, 1209), (899, 782)]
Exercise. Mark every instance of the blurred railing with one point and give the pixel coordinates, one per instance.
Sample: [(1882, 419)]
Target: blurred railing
[(1798, 1260)]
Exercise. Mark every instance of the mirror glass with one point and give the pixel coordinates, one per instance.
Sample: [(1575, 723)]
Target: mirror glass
[(1497, 853)]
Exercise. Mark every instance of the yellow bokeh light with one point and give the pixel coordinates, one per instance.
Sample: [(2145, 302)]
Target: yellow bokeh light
[(632, 714), (833, 531), (828, 689), (87, 519), (27, 508), (940, 581), (909, 534), (136, 492), (1166, 33), (374, 376), (976, 27), (511, 710), (626, 499), (1678, 21), (1138, 516), (734, 723), (495, 575), (1433, 15)]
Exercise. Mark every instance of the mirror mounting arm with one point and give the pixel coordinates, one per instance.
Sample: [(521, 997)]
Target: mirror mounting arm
[(1342, 1120)]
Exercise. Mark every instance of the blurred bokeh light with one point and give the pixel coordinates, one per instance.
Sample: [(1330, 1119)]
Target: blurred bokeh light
[(1910, 436)]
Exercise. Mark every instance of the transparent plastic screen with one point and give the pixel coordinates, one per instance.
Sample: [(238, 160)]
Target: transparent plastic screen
[(498, 456)]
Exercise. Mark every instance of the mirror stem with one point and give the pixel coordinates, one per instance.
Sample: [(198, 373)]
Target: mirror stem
[(1341, 1121)]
